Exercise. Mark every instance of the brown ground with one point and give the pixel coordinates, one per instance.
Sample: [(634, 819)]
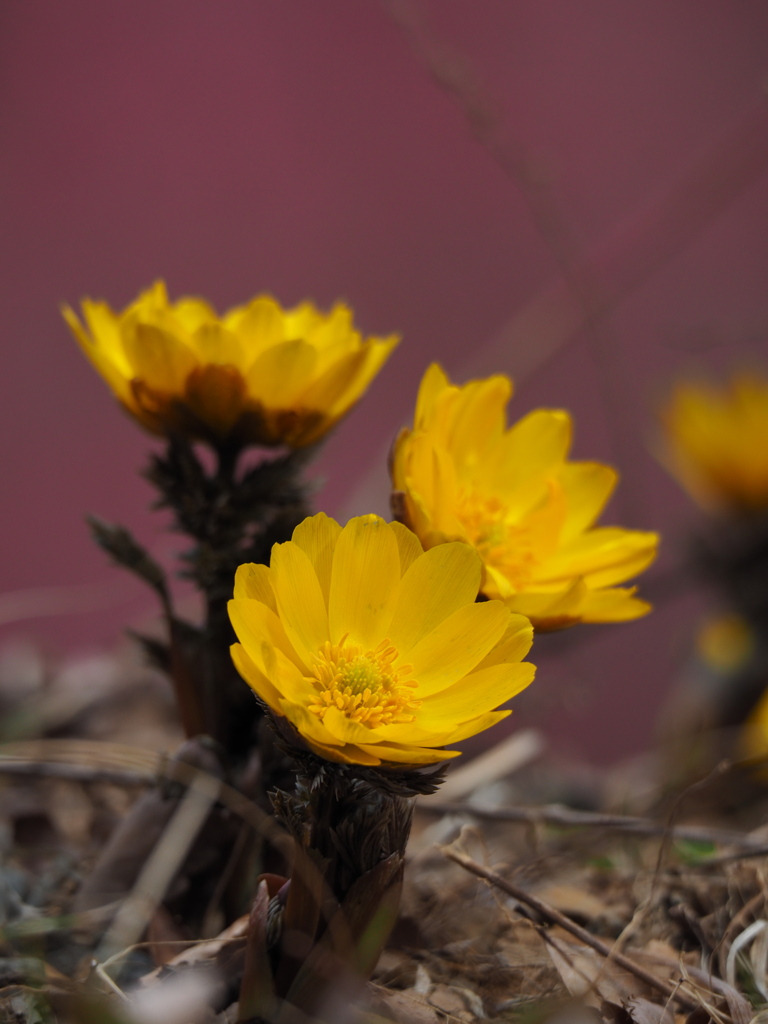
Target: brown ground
[(601, 920)]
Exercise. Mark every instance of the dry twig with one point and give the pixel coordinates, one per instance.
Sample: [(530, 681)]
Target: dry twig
[(159, 870), (565, 817), (144, 768), (555, 917)]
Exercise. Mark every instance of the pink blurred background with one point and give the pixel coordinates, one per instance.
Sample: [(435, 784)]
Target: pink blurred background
[(439, 165)]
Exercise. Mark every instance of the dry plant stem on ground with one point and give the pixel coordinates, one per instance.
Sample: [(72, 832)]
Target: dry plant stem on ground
[(566, 817)]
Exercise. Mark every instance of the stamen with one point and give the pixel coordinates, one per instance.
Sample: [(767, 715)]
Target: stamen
[(364, 685), (501, 543)]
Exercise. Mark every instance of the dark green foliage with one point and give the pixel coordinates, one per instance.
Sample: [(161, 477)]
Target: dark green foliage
[(232, 518), (124, 549)]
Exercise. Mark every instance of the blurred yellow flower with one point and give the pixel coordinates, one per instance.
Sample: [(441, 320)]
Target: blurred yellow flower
[(372, 649), (725, 643), (718, 441), (257, 375), (462, 474)]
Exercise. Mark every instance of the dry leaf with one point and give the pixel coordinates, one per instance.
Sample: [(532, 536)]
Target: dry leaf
[(591, 977), (576, 902), (407, 1007), (642, 1011)]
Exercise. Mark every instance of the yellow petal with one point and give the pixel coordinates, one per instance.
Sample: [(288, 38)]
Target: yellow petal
[(301, 321), (398, 456), (602, 556), (478, 692), (456, 646), (420, 734), (317, 537), (215, 344), (418, 482), (408, 545), (348, 754), (253, 580), (446, 492), (432, 384), (299, 599), (259, 325), (281, 374), (334, 382), (345, 730), (432, 483), (615, 604), (342, 384), (308, 723), (514, 644), (158, 358), (438, 583), (587, 487), (102, 363), (496, 584), (256, 625), (255, 678), (635, 562), (192, 313), (333, 335), (408, 754), (547, 609), (376, 352), (476, 725), (364, 582), (535, 446), (479, 420), (322, 741), (543, 524), (104, 326), (152, 299)]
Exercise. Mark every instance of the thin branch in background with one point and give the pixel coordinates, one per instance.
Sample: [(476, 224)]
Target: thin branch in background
[(158, 872), (565, 817), (75, 773), (93, 761), (645, 241), (456, 77), (592, 284)]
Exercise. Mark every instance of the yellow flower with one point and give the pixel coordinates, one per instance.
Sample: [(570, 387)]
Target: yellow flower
[(372, 649), (257, 375), (462, 474), (718, 441), (725, 643)]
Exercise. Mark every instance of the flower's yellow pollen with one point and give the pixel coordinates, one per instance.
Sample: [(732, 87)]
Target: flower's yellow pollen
[(500, 541), (366, 686)]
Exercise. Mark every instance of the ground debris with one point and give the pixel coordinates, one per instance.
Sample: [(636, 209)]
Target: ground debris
[(664, 926)]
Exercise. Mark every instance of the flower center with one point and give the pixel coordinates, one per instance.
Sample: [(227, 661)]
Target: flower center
[(500, 542), (365, 685)]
